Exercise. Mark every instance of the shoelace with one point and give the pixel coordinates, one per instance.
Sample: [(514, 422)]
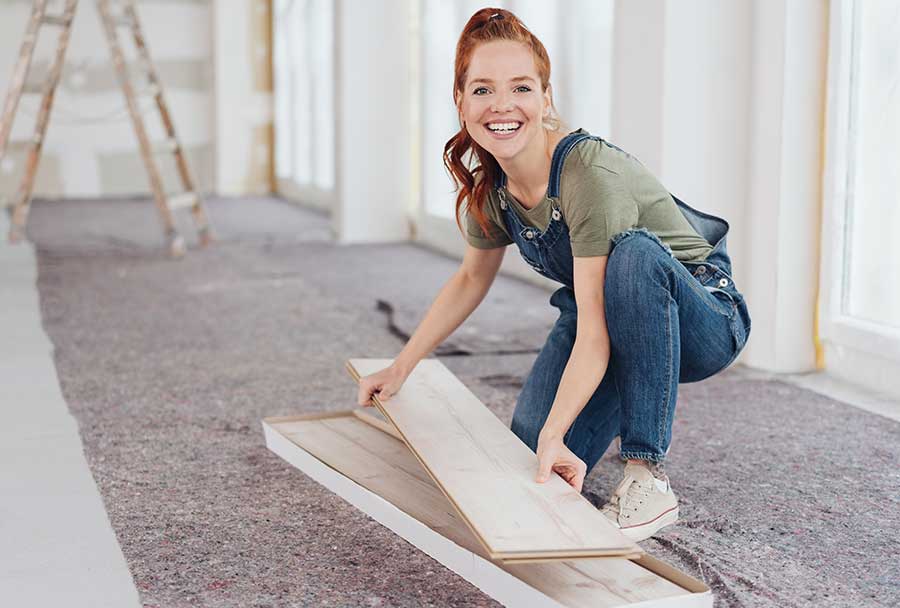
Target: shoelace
[(629, 492)]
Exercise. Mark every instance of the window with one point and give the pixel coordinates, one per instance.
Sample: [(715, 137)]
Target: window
[(304, 96), (871, 271), (860, 281)]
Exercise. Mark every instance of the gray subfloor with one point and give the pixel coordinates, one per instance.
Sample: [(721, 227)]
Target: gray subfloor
[(788, 498)]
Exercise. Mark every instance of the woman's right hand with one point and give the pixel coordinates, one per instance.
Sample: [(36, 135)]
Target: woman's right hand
[(385, 382)]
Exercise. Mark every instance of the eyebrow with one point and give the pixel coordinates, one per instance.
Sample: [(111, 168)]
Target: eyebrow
[(489, 81)]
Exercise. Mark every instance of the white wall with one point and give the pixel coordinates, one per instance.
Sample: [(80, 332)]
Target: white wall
[(90, 147), (243, 93), (374, 150), (784, 210)]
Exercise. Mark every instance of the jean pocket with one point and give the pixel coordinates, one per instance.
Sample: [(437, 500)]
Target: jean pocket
[(739, 338), (724, 295), (740, 332)]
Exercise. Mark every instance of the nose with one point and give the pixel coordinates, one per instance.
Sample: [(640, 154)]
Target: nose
[(502, 103)]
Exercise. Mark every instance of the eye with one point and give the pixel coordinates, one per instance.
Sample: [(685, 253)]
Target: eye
[(475, 92), (523, 86)]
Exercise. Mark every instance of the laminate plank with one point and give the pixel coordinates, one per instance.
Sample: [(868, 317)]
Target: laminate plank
[(385, 466), (378, 423), (488, 473)]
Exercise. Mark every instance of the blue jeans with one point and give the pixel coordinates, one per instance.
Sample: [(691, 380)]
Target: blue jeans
[(665, 326)]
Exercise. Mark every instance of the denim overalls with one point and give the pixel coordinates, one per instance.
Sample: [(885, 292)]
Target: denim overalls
[(724, 317)]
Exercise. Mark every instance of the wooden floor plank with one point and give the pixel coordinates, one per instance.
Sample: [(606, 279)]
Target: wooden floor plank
[(385, 466), (488, 473)]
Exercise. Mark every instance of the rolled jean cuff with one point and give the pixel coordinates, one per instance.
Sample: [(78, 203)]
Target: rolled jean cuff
[(625, 455)]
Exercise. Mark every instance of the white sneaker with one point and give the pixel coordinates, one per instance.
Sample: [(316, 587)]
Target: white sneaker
[(641, 504)]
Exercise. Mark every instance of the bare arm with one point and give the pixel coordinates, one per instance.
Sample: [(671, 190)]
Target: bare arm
[(456, 300), (582, 375), (590, 355)]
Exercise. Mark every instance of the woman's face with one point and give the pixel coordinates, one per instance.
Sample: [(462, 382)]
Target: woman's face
[(503, 90)]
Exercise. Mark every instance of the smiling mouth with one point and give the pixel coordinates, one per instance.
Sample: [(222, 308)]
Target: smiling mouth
[(503, 128)]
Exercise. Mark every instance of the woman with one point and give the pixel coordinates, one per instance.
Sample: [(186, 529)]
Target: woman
[(647, 299)]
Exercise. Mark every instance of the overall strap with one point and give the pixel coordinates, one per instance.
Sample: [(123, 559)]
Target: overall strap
[(559, 156), (562, 150)]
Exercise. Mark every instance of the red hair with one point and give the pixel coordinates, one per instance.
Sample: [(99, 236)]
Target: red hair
[(482, 28)]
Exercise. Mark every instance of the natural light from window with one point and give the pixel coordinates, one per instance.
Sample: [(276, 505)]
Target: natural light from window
[(872, 261)]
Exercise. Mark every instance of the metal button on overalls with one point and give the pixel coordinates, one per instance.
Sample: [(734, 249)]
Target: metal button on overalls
[(723, 282), (556, 214), (529, 234)]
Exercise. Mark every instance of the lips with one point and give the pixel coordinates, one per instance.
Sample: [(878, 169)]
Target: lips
[(506, 134)]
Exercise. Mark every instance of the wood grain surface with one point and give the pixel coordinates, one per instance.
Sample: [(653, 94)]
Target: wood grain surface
[(488, 474), (384, 465)]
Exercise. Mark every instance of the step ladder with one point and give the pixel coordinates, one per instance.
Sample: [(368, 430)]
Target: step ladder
[(114, 14)]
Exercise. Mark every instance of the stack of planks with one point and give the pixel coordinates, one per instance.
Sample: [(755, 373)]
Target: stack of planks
[(448, 476)]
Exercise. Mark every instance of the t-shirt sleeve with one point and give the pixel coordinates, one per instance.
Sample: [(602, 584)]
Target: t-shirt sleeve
[(496, 237), (596, 206)]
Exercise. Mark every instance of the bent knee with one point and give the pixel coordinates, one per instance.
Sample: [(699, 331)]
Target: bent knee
[(637, 260)]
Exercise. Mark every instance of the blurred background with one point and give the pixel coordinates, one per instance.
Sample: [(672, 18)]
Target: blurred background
[(783, 118)]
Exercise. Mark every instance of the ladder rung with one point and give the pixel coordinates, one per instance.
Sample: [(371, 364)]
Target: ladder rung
[(142, 70), (167, 146), (34, 87), (185, 199), (122, 20), (19, 141), (34, 140), (62, 20)]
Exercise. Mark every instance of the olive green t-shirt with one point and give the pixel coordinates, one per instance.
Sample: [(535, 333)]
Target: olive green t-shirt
[(603, 191)]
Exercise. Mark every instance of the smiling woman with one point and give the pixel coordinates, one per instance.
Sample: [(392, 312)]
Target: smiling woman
[(585, 213), (502, 85)]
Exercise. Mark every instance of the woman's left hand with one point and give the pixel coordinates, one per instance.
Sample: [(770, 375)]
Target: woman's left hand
[(553, 455)]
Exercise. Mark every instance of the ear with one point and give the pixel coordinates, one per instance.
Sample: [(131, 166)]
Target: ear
[(548, 99), (459, 110)]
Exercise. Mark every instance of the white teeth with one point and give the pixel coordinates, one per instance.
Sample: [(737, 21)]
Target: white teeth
[(504, 126)]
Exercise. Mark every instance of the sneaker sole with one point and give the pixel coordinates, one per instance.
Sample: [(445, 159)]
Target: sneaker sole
[(645, 531)]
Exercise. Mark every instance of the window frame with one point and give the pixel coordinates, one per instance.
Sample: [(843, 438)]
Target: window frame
[(308, 192), (868, 340)]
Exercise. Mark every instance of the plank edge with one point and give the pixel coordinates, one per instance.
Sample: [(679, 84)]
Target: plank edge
[(494, 553), (482, 573), (486, 576)]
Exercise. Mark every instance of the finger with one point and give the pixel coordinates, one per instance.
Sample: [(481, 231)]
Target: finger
[(567, 473), (580, 474), (544, 466), (571, 474)]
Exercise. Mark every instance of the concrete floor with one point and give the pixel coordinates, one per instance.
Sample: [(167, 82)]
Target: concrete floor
[(788, 497)]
